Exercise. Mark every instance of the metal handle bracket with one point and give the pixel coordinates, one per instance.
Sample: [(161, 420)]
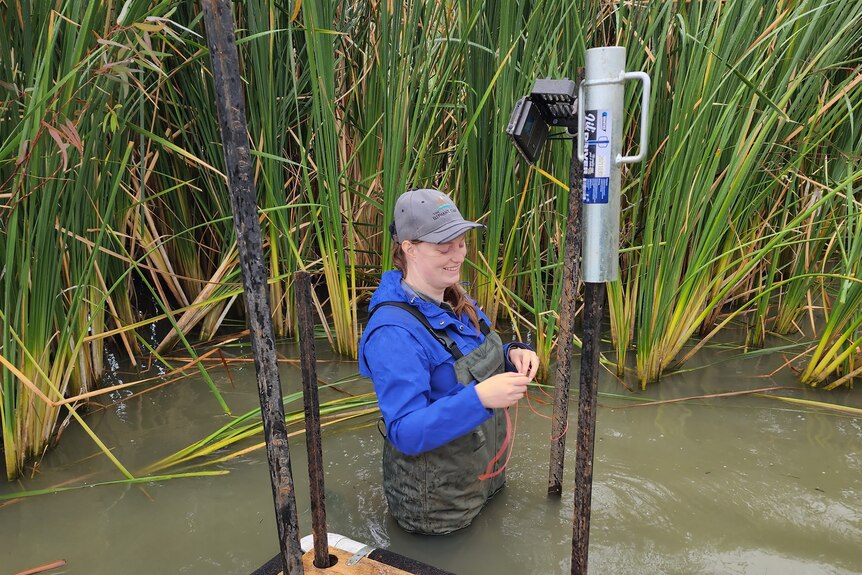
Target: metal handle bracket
[(645, 79)]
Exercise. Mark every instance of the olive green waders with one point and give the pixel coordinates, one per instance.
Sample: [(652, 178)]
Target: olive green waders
[(439, 491)]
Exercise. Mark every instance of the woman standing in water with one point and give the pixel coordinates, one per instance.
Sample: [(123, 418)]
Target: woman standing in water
[(441, 375)]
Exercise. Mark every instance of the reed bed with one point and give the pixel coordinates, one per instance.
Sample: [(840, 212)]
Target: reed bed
[(115, 208)]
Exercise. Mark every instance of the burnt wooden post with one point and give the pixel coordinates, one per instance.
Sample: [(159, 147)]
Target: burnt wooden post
[(308, 361), (594, 295), (571, 277), (218, 18)]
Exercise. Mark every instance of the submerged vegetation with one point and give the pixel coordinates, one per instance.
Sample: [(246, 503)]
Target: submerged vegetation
[(114, 210)]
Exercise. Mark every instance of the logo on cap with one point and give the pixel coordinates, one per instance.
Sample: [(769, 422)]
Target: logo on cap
[(444, 207)]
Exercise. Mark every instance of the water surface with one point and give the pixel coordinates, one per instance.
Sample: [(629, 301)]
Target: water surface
[(712, 486)]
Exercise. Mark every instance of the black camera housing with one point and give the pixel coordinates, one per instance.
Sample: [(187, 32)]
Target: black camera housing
[(550, 103), (527, 129)]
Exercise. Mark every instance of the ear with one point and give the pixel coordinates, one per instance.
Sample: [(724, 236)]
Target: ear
[(409, 248)]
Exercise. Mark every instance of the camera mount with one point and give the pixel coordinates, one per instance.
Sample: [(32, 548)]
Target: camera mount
[(551, 103)]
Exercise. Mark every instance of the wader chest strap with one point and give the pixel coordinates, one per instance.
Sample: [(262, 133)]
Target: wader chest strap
[(439, 334)]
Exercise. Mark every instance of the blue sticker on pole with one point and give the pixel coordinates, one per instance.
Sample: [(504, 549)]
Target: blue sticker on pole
[(597, 156)]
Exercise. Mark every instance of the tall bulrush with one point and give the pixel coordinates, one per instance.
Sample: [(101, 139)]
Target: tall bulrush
[(74, 167), (800, 262), (182, 216), (62, 164), (182, 220), (327, 153), (838, 353), (394, 80), (274, 83), (839, 347), (739, 73), (509, 45)]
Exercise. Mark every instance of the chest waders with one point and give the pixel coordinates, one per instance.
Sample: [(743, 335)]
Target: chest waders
[(439, 491)]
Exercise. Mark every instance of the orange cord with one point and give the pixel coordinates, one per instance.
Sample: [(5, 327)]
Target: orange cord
[(533, 409), (509, 442), (565, 430)]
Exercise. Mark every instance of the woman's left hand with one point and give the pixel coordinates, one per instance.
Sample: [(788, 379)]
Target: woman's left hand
[(525, 361)]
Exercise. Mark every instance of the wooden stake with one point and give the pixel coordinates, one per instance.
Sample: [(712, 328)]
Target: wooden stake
[(218, 18), (305, 318), (571, 277), (594, 296)]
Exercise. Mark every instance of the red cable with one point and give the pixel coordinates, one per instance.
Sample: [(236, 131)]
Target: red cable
[(510, 432)]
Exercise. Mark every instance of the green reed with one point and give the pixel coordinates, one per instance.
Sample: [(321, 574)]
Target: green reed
[(62, 172), (69, 165), (839, 349), (742, 81)]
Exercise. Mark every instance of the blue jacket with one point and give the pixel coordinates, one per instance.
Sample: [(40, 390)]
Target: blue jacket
[(422, 403)]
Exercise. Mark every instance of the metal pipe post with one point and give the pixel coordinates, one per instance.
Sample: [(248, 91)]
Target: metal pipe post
[(600, 123), (218, 18), (571, 277), (603, 124), (308, 361)]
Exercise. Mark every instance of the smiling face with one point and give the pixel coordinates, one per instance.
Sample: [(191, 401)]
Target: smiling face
[(431, 268)]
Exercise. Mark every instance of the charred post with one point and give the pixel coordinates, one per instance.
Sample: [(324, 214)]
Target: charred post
[(568, 305), (594, 295), (308, 361), (218, 18)]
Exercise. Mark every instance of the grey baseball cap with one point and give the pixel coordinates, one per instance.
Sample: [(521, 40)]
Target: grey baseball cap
[(429, 215)]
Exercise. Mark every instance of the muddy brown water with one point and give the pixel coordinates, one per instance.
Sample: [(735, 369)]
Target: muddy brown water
[(712, 486)]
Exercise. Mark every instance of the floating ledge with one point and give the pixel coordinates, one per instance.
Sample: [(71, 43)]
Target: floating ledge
[(353, 558)]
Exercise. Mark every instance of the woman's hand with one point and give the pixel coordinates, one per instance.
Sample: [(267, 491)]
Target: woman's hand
[(525, 361), (502, 390)]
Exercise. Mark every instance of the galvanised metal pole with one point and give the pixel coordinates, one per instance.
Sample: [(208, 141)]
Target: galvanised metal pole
[(600, 130), (218, 18), (600, 124)]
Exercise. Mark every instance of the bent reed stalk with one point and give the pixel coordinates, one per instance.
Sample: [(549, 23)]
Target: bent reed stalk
[(114, 203)]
